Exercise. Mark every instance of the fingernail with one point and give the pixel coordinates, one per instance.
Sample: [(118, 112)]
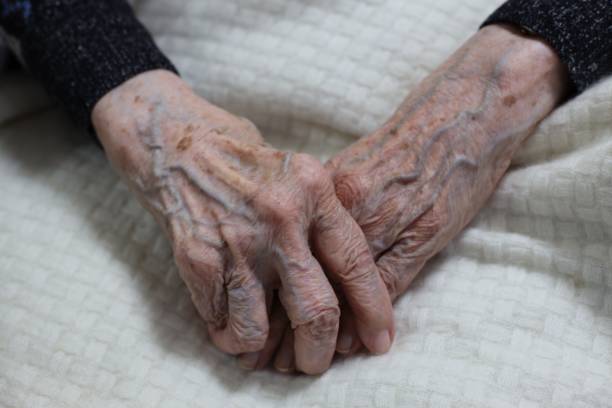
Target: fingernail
[(284, 362), (283, 365), (285, 370), (248, 361), (345, 343), (381, 342)]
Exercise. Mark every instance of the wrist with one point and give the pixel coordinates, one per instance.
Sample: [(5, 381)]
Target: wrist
[(120, 113), (502, 79), (156, 116), (526, 66), (150, 104)]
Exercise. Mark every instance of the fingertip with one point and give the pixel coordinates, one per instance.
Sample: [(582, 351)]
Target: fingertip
[(315, 342), (284, 361), (345, 342), (377, 342), (357, 346), (248, 361), (278, 325), (377, 333), (312, 358), (290, 369)]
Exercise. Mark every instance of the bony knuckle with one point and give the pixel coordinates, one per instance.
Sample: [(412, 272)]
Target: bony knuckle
[(428, 226), (191, 260), (279, 208), (420, 237), (205, 284), (350, 189), (248, 125), (249, 336), (212, 311), (311, 174), (357, 261), (324, 325)]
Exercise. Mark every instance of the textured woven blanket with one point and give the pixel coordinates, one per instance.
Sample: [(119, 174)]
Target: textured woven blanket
[(517, 312)]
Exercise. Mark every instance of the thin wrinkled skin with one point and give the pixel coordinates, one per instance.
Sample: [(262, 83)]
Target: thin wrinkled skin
[(416, 182), (240, 216)]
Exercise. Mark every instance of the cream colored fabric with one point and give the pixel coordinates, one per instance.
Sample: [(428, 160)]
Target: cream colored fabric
[(516, 313)]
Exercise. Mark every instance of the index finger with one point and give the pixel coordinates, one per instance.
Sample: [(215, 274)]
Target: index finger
[(310, 302), (342, 250)]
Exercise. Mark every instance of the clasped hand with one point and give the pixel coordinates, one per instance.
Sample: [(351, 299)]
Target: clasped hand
[(286, 257)]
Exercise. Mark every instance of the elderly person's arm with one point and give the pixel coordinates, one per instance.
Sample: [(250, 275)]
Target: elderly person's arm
[(416, 182), (243, 218)]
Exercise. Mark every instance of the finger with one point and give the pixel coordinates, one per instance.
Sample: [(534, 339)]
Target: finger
[(310, 303), (247, 323), (398, 268), (341, 248), (200, 272), (278, 323), (285, 357), (348, 339)]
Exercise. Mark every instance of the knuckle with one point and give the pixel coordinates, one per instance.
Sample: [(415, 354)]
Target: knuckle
[(248, 326), (323, 326), (212, 308), (350, 189), (249, 336), (428, 226), (186, 254), (390, 279), (400, 268), (248, 125), (419, 240), (205, 286), (358, 261), (311, 174), (280, 208), (193, 263)]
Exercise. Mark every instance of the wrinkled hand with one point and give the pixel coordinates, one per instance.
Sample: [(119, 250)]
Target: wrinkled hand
[(415, 183), (243, 219)]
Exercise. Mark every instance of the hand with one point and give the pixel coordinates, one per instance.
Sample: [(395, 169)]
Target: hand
[(414, 184), (243, 219)]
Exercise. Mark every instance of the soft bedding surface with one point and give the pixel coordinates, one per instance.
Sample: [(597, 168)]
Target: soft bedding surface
[(517, 312)]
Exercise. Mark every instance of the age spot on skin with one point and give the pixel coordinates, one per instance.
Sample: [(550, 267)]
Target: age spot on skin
[(184, 144), (509, 100)]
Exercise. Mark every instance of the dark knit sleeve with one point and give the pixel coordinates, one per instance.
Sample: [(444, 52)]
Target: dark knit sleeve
[(80, 49), (579, 30)]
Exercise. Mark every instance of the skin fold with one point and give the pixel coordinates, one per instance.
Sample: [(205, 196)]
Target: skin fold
[(245, 221), (416, 182)]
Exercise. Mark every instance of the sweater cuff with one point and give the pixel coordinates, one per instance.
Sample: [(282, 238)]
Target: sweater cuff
[(579, 30), (82, 49)]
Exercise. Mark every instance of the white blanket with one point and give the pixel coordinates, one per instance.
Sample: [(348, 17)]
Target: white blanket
[(516, 313)]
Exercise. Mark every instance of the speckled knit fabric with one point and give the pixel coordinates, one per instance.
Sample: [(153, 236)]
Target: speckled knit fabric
[(579, 30), (80, 49)]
